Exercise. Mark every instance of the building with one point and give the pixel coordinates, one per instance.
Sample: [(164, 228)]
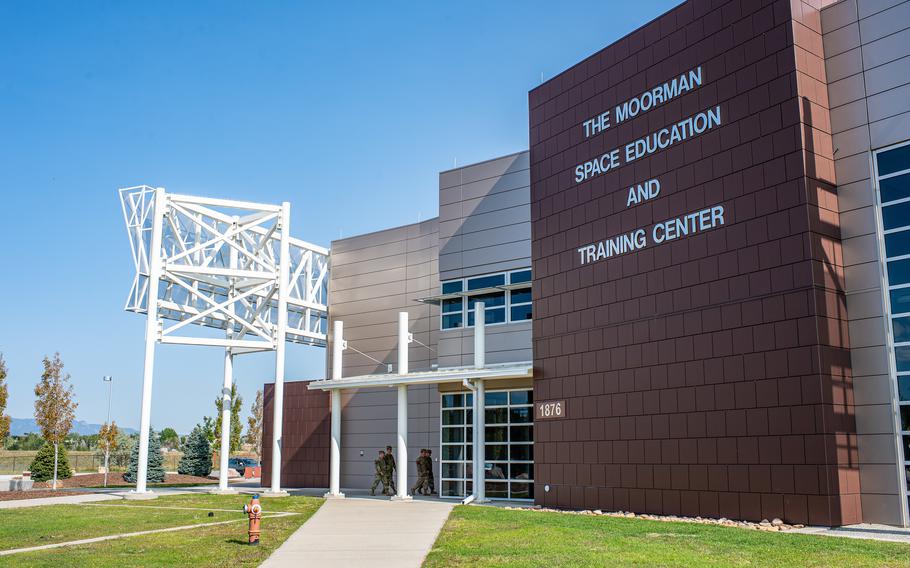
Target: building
[(693, 285)]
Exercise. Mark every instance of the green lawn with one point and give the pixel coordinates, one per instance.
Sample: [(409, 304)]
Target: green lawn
[(488, 536), (220, 545)]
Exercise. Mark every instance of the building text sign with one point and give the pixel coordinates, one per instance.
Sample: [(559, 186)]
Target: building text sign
[(670, 229)]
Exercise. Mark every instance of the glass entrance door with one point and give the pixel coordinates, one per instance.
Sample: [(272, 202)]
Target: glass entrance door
[(509, 435)]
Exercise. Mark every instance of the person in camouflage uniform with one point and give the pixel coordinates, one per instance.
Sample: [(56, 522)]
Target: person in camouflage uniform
[(421, 474), (391, 467), (431, 482), (380, 465)]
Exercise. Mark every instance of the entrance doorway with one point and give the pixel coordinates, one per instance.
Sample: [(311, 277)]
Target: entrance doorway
[(509, 435)]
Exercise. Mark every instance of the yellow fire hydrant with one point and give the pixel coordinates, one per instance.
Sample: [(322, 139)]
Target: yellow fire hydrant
[(254, 511)]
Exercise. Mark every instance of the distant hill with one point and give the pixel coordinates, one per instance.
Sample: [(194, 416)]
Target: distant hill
[(22, 426)]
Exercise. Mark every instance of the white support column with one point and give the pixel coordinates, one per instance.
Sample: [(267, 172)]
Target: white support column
[(284, 261), (480, 422), (338, 345), (335, 458), (402, 457), (151, 336), (479, 404), (337, 348), (226, 400), (225, 423), (480, 341)]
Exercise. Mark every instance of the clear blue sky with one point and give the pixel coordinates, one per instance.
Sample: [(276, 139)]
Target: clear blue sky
[(348, 112)]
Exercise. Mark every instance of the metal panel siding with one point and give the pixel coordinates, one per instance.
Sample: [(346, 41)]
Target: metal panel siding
[(374, 277), (890, 131), (484, 216), (485, 227), (868, 104), (370, 424)]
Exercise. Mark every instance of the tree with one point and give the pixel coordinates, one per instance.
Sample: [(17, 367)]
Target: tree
[(107, 441), (4, 393), (208, 427), (170, 439), (197, 454), (254, 425), (50, 463), (120, 455), (236, 425), (155, 472), (55, 404)]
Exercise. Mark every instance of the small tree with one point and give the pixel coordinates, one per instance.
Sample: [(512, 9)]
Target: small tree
[(107, 441), (4, 393), (120, 455), (254, 425), (208, 428), (197, 454), (236, 425), (155, 472), (55, 404), (50, 464), (170, 439)]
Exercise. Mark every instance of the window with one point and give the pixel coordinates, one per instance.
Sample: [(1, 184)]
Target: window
[(506, 298), (451, 313), (508, 447), (520, 298), (892, 171)]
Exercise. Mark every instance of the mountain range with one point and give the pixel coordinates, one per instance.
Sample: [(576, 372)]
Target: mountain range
[(22, 426)]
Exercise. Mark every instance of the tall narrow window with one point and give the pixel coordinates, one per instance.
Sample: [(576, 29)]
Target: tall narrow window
[(452, 309), (520, 297), (892, 170)]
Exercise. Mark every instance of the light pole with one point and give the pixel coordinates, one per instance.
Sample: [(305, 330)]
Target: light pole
[(107, 446)]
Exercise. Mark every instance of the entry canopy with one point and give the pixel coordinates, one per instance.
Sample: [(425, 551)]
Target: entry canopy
[(219, 267), (447, 375)]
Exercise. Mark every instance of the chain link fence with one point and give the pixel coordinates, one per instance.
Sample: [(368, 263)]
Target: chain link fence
[(15, 462)]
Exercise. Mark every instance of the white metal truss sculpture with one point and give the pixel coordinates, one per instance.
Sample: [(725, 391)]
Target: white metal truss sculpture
[(221, 273)]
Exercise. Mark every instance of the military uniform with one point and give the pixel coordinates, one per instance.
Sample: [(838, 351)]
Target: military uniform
[(391, 467), (421, 474), (431, 482), (380, 465)]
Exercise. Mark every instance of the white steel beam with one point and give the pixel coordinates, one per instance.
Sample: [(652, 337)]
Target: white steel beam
[(402, 458), (226, 399), (480, 449), (278, 416), (335, 455), (151, 335)]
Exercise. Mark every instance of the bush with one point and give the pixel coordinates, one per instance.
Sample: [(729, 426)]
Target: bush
[(155, 473), (197, 457), (42, 467)]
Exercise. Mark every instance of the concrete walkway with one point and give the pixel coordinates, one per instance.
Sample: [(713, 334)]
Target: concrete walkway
[(65, 499), (360, 531), (866, 530)]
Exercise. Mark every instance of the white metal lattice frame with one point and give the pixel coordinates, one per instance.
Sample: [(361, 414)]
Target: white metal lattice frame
[(221, 273), (198, 285)]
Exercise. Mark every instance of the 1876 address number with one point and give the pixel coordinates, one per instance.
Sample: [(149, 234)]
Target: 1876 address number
[(550, 409)]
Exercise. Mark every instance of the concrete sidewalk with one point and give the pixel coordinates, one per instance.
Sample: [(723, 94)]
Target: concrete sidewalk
[(69, 498), (866, 530), (364, 532)]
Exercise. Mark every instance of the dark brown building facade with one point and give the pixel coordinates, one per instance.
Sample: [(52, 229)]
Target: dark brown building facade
[(696, 332), (305, 432)]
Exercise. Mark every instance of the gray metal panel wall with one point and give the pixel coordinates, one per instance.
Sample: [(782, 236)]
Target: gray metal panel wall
[(485, 227), (373, 277), (867, 61)]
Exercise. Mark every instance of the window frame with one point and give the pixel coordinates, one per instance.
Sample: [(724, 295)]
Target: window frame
[(467, 312), (903, 463), (467, 442)]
